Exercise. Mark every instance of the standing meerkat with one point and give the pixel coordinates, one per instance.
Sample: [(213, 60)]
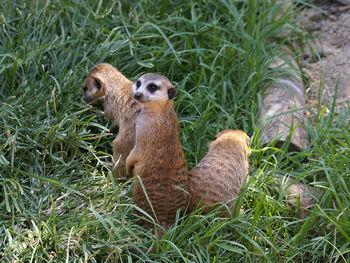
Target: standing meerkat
[(218, 177), (157, 158), (104, 82)]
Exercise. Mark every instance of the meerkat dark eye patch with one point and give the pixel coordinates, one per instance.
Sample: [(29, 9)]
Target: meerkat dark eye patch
[(152, 88), (138, 84), (98, 83), (85, 88)]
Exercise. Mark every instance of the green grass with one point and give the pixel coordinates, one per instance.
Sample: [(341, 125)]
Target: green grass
[(59, 201)]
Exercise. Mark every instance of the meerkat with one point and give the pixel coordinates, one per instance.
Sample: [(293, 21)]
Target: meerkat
[(218, 177), (157, 160), (104, 82)]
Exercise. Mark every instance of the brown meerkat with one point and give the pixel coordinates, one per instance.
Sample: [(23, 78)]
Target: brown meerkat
[(104, 82), (218, 177), (157, 158)]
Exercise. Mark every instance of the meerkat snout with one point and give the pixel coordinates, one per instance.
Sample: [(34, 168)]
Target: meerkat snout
[(138, 96)]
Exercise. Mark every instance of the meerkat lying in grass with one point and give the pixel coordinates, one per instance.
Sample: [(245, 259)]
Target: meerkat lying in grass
[(218, 177), (157, 161), (104, 82)]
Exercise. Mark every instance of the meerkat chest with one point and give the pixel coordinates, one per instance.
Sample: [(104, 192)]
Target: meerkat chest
[(148, 124)]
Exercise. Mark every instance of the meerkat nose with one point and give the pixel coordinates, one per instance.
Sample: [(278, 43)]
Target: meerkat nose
[(138, 96), (86, 100)]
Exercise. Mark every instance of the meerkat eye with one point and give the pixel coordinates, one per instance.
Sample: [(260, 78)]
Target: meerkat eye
[(152, 88), (85, 88), (98, 83), (138, 84)]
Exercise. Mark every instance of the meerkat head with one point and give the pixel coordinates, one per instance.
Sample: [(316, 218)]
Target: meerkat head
[(94, 87), (153, 88), (235, 135)]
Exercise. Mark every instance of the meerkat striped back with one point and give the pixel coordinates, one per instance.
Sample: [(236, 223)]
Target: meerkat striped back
[(219, 176)]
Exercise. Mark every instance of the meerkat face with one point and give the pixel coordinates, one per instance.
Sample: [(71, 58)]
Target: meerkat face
[(236, 135), (152, 87), (92, 89)]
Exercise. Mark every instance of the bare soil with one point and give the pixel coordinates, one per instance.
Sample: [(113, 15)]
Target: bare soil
[(331, 33)]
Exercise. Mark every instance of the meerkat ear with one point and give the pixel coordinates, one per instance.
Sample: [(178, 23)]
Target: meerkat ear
[(98, 83), (171, 92)]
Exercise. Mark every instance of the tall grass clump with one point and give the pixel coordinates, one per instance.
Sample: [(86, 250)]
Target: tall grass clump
[(59, 201)]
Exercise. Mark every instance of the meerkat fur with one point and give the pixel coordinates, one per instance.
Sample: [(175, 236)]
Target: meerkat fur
[(219, 176), (157, 160), (104, 82)]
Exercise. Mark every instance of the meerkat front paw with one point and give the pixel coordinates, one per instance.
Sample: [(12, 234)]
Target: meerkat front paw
[(130, 164), (130, 171)]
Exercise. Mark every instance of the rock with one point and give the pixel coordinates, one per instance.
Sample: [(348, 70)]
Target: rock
[(296, 191), (283, 110)]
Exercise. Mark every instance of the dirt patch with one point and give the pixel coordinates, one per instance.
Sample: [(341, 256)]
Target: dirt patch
[(331, 31)]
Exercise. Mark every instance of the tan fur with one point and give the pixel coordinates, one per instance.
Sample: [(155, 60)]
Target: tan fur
[(218, 177), (119, 107), (158, 158)]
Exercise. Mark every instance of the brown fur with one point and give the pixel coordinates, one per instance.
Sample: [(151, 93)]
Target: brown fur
[(158, 159), (218, 177), (107, 83)]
